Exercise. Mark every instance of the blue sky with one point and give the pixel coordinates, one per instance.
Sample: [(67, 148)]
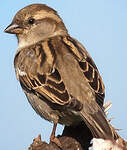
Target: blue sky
[(101, 26)]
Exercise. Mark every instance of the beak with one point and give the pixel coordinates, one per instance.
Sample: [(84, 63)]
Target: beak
[(14, 28)]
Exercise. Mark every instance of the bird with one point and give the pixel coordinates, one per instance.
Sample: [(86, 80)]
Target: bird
[(57, 74)]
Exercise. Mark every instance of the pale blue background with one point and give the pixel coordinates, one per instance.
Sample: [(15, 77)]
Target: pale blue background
[(101, 25)]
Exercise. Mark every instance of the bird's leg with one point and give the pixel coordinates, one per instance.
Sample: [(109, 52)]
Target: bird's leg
[(53, 131), (53, 138)]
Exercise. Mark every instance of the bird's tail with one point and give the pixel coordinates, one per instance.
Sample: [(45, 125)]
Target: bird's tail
[(97, 122)]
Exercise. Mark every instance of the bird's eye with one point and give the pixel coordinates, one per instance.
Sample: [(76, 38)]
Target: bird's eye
[(31, 21)]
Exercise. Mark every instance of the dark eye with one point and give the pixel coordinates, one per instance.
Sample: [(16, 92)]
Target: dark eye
[(31, 21)]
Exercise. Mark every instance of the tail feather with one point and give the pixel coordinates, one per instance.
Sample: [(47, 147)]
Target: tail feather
[(96, 121)]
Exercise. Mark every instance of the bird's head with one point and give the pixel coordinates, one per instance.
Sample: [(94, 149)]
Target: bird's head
[(34, 23)]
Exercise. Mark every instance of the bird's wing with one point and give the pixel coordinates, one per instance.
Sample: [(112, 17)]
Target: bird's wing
[(84, 83), (52, 84), (87, 67), (36, 73)]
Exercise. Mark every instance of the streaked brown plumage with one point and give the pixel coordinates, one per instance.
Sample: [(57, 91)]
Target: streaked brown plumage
[(58, 76)]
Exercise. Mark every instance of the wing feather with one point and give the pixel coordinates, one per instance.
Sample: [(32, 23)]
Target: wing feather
[(88, 67), (51, 88)]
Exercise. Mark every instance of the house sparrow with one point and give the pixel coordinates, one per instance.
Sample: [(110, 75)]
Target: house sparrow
[(57, 74)]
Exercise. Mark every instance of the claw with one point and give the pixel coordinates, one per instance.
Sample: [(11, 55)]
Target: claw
[(56, 141)]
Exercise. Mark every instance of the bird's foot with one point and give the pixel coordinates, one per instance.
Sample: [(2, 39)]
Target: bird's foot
[(56, 141)]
